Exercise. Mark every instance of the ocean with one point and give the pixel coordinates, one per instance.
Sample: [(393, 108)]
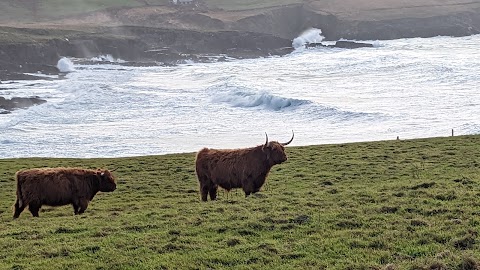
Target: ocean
[(405, 88)]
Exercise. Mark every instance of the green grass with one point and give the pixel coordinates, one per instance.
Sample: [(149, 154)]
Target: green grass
[(377, 205), (233, 5), (29, 10), (62, 7), (26, 35), (32, 10)]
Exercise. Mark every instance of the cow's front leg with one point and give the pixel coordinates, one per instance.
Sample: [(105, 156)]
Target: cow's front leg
[(257, 184), (248, 186), (213, 192), (75, 207), (82, 205)]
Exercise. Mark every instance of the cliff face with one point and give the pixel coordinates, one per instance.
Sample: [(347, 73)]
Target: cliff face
[(165, 34), (150, 46), (154, 35), (289, 22)]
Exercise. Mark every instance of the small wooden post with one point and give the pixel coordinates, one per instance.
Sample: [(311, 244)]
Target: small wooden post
[(452, 132)]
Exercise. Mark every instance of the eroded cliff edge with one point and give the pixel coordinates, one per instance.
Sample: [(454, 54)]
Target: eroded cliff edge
[(165, 34)]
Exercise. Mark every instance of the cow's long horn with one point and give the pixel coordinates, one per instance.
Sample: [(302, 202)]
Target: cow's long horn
[(266, 142), (287, 143)]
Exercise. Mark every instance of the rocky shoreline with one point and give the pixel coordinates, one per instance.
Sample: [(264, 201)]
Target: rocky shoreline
[(141, 45), (202, 36), (170, 35), (8, 105), (138, 46)]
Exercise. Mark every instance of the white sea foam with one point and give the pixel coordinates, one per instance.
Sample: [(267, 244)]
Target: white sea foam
[(107, 58), (263, 99), (410, 88), (377, 44), (312, 35), (65, 65)]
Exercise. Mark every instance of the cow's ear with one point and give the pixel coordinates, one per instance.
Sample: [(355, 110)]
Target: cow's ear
[(266, 147), (266, 150)]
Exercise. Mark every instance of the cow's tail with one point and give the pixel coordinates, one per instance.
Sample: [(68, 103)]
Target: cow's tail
[(19, 201)]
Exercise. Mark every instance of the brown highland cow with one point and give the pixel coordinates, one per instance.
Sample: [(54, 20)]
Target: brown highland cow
[(239, 168), (60, 186)]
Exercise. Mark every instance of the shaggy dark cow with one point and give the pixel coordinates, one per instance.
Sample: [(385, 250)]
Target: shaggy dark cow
[(60, 186), (240, 168)]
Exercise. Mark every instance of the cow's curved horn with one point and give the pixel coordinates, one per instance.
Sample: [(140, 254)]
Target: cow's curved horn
[(266, 142), (114, 169), (287, 143)]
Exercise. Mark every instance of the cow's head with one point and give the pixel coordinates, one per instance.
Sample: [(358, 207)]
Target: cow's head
[(107, 181), (275, 151)]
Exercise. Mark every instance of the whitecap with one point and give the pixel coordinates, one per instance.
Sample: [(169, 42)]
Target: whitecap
[(65, 65), (107, 58), (247, 99), (312, 35)]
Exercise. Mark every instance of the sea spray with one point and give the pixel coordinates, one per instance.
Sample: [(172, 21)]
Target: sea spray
[(65, 65), (312, 35), (107, 58)]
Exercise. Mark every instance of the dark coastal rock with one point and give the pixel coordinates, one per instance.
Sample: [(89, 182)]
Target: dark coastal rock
[(341, 44), (315, 44), (351, 44), (11, 75), (7, 105), (135, 44)]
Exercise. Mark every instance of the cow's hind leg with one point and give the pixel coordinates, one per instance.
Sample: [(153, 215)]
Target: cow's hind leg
[(18, 209), (204, 189), (34, 207), (213, 192), (205, 186)]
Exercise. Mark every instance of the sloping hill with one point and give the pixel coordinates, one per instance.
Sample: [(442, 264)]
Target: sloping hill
[(373, 10), (249, 28), (352, 19), (14, 11)]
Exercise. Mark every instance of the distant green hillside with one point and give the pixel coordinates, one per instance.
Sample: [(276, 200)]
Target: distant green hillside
[(31, 10), (248, 4), (27, 10)]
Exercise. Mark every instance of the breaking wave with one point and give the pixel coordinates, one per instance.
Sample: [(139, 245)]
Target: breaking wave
[(65, 65), (312, 35), (247, 99), (243, 97)]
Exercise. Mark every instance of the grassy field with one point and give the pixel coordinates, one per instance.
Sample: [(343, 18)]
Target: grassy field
[(29, 10), (377, 205), (233, 5)]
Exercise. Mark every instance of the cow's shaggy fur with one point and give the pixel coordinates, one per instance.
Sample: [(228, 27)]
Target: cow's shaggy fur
[(60, 186), (239, 168)]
